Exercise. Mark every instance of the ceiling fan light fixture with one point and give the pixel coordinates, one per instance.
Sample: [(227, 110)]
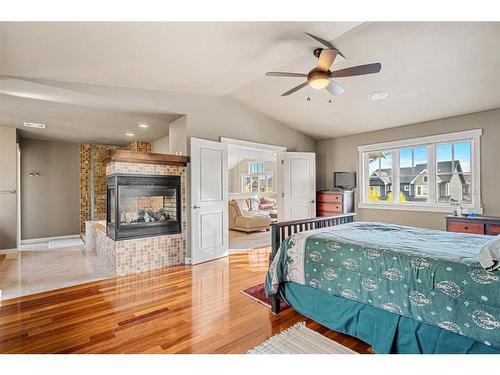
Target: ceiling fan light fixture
[(319, 82)]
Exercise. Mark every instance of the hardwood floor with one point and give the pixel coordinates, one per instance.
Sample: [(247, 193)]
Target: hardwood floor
[(181, 309)]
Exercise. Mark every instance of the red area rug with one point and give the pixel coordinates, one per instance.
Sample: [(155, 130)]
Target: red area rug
[(257, 293)]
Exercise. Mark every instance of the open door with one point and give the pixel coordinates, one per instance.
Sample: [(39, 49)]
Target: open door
[(209, 205), (298, 171)]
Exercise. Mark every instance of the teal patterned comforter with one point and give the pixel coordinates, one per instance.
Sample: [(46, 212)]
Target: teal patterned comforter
[(428, 275)]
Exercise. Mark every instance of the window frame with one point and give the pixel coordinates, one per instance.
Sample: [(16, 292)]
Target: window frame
[(474, 136)]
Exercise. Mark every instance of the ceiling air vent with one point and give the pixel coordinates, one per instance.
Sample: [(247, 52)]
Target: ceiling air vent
[(35, 125)]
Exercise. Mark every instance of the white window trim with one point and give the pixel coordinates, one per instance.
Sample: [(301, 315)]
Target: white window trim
[(431, 206)]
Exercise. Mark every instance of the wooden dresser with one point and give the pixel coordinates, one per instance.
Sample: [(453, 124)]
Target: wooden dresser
[(329, 203), (477, 225)]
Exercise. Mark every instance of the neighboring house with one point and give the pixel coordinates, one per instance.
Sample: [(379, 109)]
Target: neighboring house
[(381, 183), (453, 185)]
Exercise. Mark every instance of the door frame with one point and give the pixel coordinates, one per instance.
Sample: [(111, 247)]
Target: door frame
[(277, 150), (18, 193)]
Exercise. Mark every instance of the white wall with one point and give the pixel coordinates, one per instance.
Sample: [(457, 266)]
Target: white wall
[(208, 117), (161, 145), (341, 154), (177, 132)]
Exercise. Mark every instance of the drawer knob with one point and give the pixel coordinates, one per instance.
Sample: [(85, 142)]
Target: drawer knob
[(466, 228)]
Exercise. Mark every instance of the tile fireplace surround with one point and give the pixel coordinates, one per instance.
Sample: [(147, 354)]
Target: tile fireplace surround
[(131, 256)]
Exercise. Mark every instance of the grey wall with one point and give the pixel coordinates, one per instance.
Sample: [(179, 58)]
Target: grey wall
[(8, 175), (160, 146), (177, 136), (341, 154), (50, 203)]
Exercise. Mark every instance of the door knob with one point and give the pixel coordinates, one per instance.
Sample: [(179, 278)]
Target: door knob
[(12, 191), (196, 207)]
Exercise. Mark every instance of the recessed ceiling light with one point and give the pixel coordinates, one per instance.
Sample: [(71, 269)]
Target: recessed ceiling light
[(378, 95), (144, 126), (35, 125), (128, 134)]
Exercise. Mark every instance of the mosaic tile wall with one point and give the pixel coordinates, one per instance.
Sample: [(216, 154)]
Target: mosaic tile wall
[(141, 254), (97, 240), (93, 178), (138, 146)]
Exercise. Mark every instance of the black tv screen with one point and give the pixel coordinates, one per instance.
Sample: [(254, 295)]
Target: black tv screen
[(344, 180)]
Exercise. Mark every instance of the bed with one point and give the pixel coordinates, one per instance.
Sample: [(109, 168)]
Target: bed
[(400, 289)]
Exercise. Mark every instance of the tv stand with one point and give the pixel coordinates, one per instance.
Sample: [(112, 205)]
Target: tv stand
[(334, 202)]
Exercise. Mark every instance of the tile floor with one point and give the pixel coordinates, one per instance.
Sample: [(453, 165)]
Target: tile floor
[(46, 266)]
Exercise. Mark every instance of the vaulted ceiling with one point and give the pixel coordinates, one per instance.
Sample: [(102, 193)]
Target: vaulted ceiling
[(430, 70)]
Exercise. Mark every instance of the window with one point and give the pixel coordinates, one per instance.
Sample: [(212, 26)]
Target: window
[(380, 175), (432, 173), (413, 174), (258, 180), (257, 167)]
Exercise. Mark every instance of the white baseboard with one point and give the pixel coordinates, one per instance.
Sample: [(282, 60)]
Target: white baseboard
[(6, 251), (45, 239)]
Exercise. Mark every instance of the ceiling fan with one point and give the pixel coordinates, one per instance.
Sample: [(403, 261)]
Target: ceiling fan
[(321, 77)]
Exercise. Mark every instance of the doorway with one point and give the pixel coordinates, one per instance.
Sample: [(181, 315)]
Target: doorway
[(253, 193), (260, 184)]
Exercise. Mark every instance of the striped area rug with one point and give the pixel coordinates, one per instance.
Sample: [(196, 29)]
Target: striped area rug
[(299, 339)]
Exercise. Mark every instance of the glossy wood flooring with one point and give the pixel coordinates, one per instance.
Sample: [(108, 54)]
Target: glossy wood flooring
[(181, 309)]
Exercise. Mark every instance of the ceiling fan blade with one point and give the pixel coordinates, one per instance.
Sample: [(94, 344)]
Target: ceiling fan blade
[(334, 88), (296, 88), (285, 74), (322, 41), (326, 59), (326, 44), (357, 70)]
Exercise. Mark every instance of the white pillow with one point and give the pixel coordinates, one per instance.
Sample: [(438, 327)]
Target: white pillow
[(489, 255), (254, 203)]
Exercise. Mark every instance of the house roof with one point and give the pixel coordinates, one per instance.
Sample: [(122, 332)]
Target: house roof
[(408, 174)]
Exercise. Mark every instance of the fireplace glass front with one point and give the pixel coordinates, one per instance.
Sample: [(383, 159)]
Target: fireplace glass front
[(142, 206)]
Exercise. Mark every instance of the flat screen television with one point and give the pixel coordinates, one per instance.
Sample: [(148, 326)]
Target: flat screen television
[(344, 180)]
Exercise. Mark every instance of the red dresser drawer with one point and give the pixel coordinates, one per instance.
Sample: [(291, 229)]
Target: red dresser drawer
[(328, 198), (465, 227), (494, 229), (330, 207)]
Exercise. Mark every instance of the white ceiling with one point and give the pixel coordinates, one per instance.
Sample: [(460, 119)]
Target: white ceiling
[(208, 58), (235, 154), (81, 124), (431, 70)]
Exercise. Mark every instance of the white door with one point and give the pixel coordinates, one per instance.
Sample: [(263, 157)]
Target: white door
[(298, 171), (209, 205)]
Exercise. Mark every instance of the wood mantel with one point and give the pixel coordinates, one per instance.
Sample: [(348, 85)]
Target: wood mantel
[(125, 156)]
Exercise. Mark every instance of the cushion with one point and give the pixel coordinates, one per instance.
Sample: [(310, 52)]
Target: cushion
[(254, 203), (243, 204), (236, 207), (252, 221), (489, 255), (267, 204)]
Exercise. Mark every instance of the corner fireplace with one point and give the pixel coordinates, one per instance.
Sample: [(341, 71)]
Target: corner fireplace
[(142, 206)]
